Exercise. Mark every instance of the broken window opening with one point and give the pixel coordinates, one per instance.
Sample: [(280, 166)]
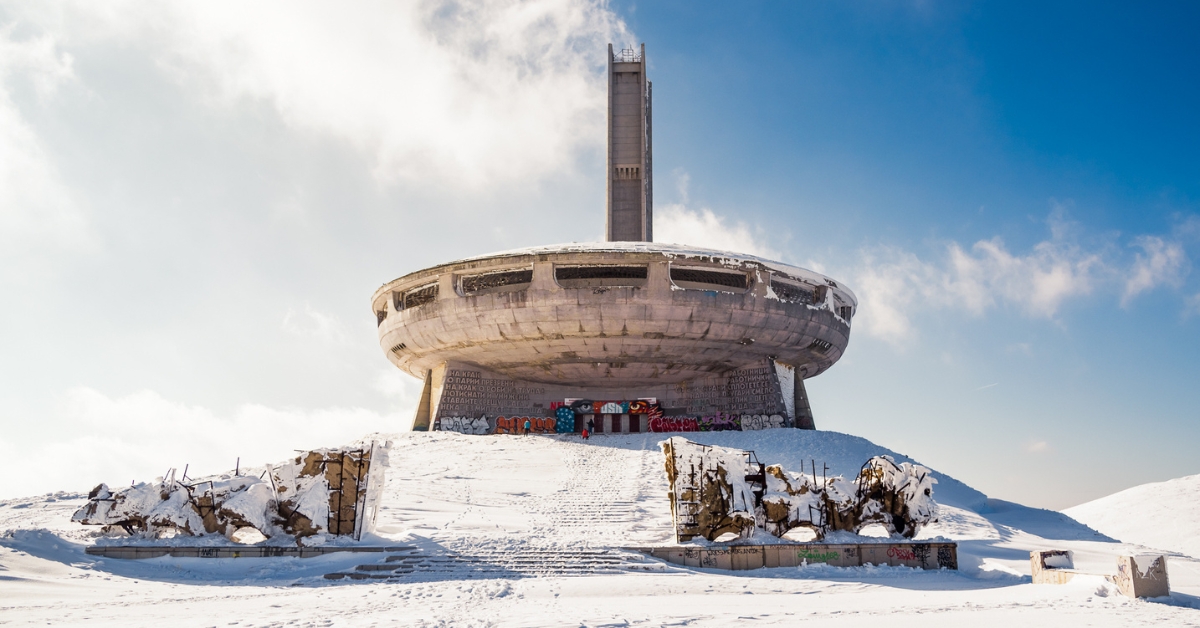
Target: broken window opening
[(820, 346), (504, 281), (791, 293), (601, 276), (819, 294), (697, 279), (420, 296)]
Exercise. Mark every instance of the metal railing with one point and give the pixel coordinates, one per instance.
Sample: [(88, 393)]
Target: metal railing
[(627, 55)]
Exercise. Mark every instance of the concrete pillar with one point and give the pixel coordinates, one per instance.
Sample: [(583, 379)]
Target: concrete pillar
[(446, 287), (422, 420), (804, 416), (543, 277), (437, 381)]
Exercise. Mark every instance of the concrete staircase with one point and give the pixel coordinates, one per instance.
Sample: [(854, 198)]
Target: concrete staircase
[(515, 563)]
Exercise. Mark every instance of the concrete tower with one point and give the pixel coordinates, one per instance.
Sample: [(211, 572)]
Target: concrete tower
[(630, 191)]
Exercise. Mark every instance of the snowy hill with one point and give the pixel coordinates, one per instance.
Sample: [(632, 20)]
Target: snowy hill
[(1160, 515), (501, 501)]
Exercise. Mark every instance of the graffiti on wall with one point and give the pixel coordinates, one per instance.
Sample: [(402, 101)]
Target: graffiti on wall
[(537, 425), (565, 413), (565, 418), (464, 425), (719, 422), (751, 422)]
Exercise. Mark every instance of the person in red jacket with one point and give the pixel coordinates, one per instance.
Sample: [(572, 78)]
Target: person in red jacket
[(585, 433)]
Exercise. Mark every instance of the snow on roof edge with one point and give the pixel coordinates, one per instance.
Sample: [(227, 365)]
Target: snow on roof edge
[(664, 248)]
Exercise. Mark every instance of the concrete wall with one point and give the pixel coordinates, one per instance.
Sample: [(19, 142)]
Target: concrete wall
[(742, 557)]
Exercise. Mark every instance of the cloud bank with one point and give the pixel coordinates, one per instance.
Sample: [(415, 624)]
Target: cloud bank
[(462, 92)]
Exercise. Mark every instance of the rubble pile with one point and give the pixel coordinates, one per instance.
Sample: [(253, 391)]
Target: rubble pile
[(321, 492), (719, 490)]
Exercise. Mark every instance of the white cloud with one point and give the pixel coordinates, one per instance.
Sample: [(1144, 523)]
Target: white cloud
[(137, 437), (677, 224), (38, 216), (466, 92), (1160, 263), (892, 282)]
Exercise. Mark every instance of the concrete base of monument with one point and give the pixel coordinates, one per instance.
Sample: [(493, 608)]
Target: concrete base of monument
[(137, 552), (742, 557)]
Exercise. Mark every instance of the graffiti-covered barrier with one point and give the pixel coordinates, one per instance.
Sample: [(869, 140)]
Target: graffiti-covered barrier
[(742, 557)]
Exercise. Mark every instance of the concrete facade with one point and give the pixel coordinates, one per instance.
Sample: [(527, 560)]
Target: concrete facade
[(630, 184), (701, 333)]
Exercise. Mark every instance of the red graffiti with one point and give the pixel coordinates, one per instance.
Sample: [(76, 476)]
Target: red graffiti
[(516, 425), (901, 553), (682, 424)]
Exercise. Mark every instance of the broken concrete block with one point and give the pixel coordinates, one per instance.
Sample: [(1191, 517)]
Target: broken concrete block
[(1052, 566), (1144, 575)]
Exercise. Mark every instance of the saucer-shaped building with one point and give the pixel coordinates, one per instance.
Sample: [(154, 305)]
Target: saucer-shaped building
[(620, 336)]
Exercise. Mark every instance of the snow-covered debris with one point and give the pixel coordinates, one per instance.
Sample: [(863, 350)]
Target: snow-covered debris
[(326, 491), (899, 496), (709, 492), (718, 490)]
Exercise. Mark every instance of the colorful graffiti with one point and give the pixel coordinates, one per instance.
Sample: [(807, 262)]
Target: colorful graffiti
[(565, 413), (674, 424), (817, 557), (565, 419), (612, 407), (516, 425), (719, 422)]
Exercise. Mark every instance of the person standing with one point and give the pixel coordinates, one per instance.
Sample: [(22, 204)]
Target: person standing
[(527, 426), (591, 425)]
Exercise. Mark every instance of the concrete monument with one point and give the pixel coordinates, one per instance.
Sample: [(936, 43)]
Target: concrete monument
[(622, 336)]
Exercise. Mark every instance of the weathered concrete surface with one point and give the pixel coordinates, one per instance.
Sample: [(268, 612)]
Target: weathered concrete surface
[(1052, 566), (743, 557), (138, 552), (608, 336), (1142, 576)]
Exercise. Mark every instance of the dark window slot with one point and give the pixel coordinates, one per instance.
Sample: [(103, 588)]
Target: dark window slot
[(791, 293), (420, 296), (568, 273), (479, 283), (694, 276), (820, 346)]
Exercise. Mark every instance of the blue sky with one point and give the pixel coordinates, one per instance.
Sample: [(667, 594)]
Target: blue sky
[(197, 201)]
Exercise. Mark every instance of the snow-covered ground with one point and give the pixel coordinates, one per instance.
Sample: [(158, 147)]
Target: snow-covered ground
[(501, 498), (1162, 515)]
